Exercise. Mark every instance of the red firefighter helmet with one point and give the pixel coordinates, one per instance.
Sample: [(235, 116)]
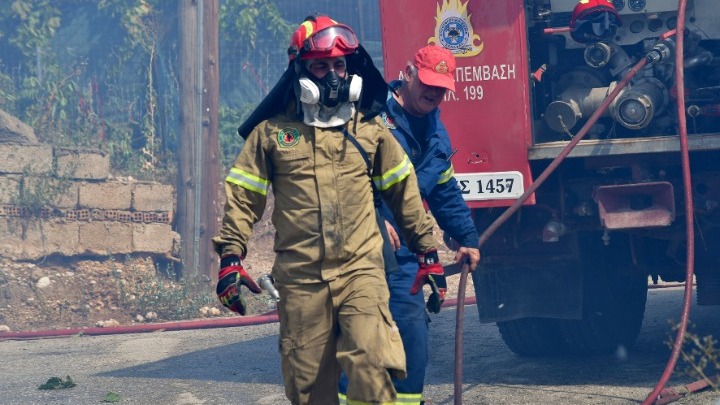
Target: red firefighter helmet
[(594, 20), (322, 37)]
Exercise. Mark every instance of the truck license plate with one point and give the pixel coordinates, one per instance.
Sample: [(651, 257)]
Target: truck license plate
[(490, 186)]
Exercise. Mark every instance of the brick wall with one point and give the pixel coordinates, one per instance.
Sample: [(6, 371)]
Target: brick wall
[(65, 202)]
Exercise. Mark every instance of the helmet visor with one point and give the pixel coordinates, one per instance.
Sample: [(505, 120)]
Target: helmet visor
[(328, 38)]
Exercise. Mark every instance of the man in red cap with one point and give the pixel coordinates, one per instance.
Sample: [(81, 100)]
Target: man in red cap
[(413, 116), (314, 140)]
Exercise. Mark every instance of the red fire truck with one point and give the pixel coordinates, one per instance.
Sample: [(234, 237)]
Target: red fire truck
[(569, 271)]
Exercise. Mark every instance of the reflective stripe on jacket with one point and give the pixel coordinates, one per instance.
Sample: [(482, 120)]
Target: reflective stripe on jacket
[(323, 214)]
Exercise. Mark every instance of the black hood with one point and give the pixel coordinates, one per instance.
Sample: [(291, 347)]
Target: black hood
[(372, 98)]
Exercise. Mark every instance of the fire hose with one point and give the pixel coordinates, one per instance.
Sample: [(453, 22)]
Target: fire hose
[(656, 393), (213, 323), (689, 215)]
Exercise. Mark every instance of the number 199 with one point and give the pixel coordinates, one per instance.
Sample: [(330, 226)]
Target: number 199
[(473, 92)]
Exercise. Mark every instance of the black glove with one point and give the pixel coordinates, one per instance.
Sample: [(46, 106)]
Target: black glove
[(232, 275)]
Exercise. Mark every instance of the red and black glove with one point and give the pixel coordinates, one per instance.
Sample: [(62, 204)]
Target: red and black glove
[(232, 275), (431, 272)]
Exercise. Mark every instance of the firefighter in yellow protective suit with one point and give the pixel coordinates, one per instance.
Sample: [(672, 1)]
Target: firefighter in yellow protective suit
[(329, 266)]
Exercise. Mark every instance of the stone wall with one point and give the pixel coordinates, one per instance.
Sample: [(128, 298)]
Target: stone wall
[(66, 202)]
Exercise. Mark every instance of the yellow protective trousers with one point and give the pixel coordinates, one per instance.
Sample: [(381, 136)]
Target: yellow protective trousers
[(342, 324)]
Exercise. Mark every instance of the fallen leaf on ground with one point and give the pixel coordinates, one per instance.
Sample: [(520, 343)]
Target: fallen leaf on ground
[(57, 383)]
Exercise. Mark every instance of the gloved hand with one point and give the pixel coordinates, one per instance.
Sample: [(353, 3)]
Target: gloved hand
[(232, 275), (431, 273)]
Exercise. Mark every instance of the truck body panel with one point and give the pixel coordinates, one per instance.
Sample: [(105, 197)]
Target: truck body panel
[(491, 87), (568, 272)]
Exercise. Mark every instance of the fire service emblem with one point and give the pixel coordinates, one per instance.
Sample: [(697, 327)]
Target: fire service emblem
[(288, 137), (454, 31)]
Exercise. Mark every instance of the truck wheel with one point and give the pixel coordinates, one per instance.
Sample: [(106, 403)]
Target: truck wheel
[(614, 296), (532, 336)]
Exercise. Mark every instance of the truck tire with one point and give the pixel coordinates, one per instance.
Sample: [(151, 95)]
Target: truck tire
[(614, 297), (533, 336)]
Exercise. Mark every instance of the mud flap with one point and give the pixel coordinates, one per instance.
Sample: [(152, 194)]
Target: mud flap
[(507, 293)]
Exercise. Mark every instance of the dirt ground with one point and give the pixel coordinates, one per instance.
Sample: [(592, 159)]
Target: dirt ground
[(60, 293)]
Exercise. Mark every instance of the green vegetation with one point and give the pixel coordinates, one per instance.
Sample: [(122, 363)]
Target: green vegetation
[(250, 31), (111, 397), (69, 69), (161, 293), (57, 383), (39, 191), (230, 142), (104, 74), (700, 357)]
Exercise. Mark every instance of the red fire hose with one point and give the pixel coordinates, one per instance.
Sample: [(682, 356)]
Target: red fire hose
[(689, 215), (268, 317), (653, 396)]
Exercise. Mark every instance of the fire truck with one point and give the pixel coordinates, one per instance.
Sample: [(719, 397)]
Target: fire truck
[(568, 272)]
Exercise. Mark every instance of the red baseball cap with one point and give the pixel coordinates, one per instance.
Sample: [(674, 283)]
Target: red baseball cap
[(436, 66)]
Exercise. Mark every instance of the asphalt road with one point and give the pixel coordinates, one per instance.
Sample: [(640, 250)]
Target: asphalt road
[(241, 366)]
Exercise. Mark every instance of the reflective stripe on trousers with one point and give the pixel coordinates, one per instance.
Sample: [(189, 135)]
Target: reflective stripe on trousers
[(402, 399)]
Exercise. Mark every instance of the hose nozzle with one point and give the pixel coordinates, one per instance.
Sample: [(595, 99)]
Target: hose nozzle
[(661, 51), (267, 282)]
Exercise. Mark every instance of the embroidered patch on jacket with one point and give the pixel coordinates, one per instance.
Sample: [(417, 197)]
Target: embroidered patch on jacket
[(288, 137), (388, 120)]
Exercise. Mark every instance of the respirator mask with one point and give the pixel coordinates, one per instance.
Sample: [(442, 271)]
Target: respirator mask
[(330, 90)]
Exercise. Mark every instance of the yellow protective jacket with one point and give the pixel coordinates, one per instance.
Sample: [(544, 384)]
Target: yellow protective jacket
[(324, 216)]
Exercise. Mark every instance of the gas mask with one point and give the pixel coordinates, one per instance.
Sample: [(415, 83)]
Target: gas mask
[(330, 90)]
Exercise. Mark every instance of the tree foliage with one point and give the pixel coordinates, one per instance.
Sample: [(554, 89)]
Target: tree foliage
[(243, 21), (104, 73), (250, 34), (29, 24), (74, 76)]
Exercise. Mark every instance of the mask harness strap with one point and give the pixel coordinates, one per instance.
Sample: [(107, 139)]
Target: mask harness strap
[(391, 264)]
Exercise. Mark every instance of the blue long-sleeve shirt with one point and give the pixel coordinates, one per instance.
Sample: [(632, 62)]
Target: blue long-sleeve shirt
[(430, 156)]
